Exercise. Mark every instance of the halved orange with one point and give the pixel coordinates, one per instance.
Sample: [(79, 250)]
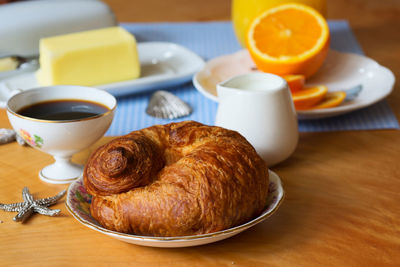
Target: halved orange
[(295, 82), (288, 39), (331, 99), (309, 97)]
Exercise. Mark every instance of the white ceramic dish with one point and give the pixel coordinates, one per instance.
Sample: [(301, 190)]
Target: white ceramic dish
[(78, 203), (163, 64), (339, 72)]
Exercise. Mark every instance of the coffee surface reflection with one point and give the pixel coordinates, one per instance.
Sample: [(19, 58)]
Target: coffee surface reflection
[(61, 110)]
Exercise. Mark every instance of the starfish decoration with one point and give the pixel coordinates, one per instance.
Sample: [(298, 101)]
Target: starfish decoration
[(30, 205)]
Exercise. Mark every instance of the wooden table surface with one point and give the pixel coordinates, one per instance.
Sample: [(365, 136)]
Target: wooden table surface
[(342, 205)]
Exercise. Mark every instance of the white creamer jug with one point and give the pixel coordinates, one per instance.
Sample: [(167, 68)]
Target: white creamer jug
[(259, 106)]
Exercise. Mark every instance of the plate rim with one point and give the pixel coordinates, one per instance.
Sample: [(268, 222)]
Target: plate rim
[(185, 74), (230, 231)]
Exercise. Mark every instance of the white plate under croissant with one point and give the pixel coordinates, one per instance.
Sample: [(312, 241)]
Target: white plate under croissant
[(78, 203)]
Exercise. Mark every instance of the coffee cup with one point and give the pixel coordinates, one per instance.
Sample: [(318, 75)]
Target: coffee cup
[(61, 136)]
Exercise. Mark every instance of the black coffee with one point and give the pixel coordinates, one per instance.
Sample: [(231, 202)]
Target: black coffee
[(61, 110)]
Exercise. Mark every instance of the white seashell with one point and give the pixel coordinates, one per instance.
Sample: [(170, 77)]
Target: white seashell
[(165, 105), (6, 136)]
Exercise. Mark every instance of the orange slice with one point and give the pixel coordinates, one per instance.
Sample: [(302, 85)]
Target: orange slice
[(331, 99), (309, 97), (288, 39), (295, 82)]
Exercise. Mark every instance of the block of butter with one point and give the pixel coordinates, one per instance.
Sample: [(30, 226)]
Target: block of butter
[(8, 63), (88, 58)]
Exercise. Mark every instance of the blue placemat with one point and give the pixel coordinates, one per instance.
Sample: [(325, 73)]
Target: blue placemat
[(212, 39)]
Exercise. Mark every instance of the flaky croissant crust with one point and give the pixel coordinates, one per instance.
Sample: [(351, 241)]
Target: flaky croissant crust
[(176, 179)]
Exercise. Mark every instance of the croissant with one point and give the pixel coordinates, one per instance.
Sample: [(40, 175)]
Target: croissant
[(177, 179)]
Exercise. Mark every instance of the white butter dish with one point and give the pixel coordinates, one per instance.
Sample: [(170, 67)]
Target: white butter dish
[(162, 65)]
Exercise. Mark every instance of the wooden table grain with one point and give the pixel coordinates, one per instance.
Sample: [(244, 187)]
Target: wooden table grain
[(342, 205)]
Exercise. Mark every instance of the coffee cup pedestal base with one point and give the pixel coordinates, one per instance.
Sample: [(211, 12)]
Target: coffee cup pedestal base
[(61, 172)]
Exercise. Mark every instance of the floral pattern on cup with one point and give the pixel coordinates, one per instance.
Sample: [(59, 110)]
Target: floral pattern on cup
[(35, 141)]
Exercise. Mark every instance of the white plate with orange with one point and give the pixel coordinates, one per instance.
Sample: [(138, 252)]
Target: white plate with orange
[(294, 39), (340, 72)]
